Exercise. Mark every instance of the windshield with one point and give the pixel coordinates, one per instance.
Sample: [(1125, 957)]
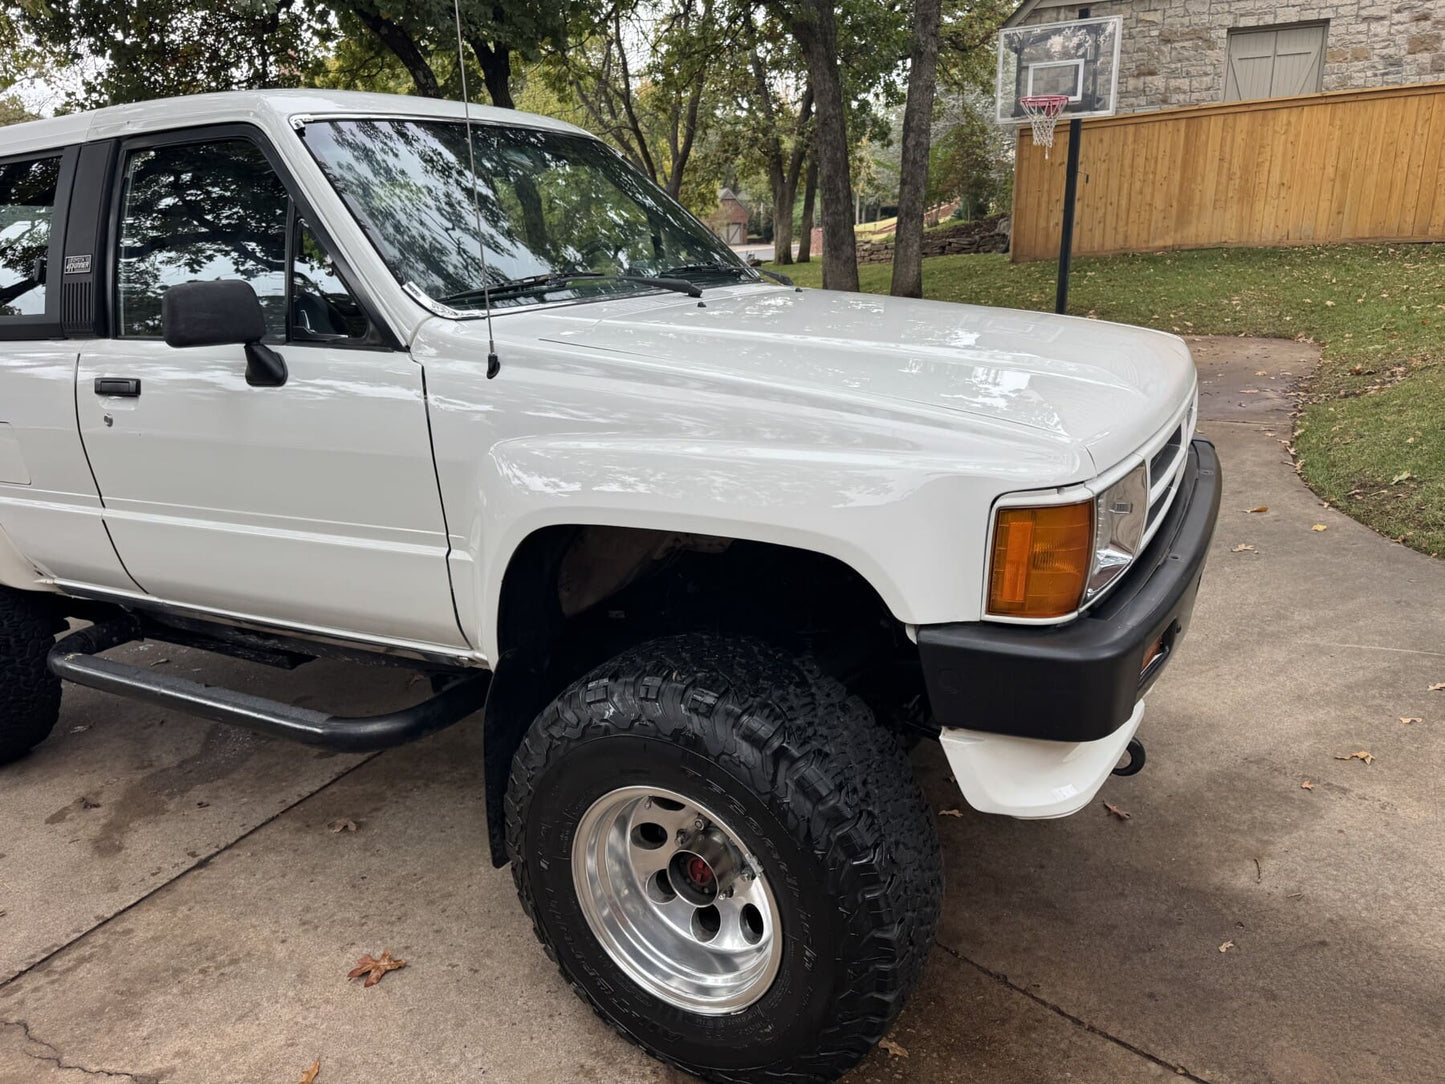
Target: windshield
[(552, 205)]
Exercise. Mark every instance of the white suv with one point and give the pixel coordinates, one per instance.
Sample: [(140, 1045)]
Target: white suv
[(710, 549)]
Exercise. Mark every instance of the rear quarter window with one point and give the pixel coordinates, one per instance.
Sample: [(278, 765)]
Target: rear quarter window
[(27, 218)]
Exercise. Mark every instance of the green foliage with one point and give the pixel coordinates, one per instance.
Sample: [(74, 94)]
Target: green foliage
[(155, 48)]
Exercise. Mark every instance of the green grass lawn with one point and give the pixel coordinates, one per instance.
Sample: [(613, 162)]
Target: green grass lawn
[(1371, 437)]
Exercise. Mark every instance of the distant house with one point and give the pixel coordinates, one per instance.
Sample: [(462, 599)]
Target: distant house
[(1198, 52), (730, 220)]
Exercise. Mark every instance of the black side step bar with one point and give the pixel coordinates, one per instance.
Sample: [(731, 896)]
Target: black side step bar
[(74, 659)]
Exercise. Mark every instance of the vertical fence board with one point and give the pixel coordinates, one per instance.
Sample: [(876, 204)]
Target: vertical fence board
[(1347, 166)]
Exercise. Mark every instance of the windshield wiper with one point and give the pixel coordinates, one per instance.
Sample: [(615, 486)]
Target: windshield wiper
[(706, 269), (555, 280)]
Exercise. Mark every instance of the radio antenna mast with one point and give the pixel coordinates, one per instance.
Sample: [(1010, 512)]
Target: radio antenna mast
[(494, 366)]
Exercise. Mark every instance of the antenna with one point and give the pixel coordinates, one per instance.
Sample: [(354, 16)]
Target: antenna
[(494, 366)]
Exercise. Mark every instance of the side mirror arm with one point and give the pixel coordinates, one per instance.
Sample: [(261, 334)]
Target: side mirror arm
[(265, 368)]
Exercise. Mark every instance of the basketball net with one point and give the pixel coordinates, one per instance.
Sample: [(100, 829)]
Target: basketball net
[(1043, 112)]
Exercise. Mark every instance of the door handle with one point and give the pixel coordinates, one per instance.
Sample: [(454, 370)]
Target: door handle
[(124, 386)]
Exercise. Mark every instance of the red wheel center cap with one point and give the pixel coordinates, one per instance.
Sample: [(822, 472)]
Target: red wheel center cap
[(699, 873)]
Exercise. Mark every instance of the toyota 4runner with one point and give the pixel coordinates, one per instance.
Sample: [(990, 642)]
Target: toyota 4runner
[(284, 375)]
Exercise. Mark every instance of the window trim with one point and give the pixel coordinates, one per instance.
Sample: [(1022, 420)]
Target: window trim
[(46, 325), (380, 337)]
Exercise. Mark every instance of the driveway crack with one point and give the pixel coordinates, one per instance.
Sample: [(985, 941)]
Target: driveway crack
[(40, 1050), (1003, 980)]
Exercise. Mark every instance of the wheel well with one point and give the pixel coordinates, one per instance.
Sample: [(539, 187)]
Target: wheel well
[(575, 596)]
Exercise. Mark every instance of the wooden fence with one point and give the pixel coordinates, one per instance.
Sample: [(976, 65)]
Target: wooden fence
[(1359, 165)]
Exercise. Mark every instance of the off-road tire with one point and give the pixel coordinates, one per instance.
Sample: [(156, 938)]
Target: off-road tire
[(850, 844), (29, 692)]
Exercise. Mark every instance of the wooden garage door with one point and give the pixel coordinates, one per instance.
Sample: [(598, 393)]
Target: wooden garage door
[(1274, 63)]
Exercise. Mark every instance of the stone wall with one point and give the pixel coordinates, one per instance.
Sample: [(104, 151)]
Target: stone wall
[(1173, 52), (985, 235)]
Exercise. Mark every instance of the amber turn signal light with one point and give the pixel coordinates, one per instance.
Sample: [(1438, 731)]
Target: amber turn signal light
[(1041, 560)]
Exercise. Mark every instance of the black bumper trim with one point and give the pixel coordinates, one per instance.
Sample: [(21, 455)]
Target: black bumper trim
[(1080, 681)]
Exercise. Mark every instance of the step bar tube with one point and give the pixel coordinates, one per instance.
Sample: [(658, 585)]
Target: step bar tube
[(75, 658)]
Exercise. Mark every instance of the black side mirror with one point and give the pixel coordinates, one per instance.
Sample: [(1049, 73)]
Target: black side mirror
[(222, 313)]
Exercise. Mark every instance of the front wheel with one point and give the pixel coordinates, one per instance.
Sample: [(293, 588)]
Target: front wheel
[(727, 857)]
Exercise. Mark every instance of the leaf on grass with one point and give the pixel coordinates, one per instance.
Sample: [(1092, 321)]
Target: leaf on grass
[(1401, 477), (1411, 719), (1243, 547), (1226, 946), (373, 968), (1307, 785), (1256, 510), (1319, 527), (345, 824), (1368, 758), (950, 812), (309, 1077), (898, 1050), (1112, 809)]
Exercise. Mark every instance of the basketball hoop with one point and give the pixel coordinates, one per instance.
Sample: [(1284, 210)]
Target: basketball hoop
[(1043, 112)]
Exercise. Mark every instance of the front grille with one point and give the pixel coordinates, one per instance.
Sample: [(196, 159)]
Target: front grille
[(1165, 455), (1166, 463)]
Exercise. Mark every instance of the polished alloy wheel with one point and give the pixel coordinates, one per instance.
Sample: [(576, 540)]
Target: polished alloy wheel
[(676, 900)]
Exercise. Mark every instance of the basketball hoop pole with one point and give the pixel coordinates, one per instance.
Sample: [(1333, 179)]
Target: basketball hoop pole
[(1066, 234)]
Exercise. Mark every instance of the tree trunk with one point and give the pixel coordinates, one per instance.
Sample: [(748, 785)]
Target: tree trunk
[(810, 195), (405, 49), (917, 133), (496, 65), (783, 198), (817, 32)]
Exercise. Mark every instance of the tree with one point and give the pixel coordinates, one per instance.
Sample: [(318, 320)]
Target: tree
[(815, 27), (969, 29), (643, 73), (155, 48), (913, 170), (778, 120)]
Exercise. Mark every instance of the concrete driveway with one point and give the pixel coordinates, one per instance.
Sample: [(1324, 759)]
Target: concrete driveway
[(175, 907)]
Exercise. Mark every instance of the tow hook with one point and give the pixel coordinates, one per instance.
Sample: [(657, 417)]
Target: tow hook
[(1135, 751)]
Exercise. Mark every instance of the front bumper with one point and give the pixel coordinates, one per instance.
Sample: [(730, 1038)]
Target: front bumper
[(1075, 689)]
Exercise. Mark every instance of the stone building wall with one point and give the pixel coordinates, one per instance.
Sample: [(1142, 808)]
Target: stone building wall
[(1173, 52)]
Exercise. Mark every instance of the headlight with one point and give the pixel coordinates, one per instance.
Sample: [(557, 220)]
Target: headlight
[(1118, 528), (1049, 560)]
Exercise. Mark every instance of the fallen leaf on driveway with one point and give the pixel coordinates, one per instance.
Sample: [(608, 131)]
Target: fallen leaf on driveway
[(1110, 808), (1439, 686), (1307, 785), (1259, 508), (374, 968), (1319, 527), (343, 825), (1226, 946), (309, 1077), (950, 812), (898, 1050), (1411, 719), (1243, 547), (1368, 758)]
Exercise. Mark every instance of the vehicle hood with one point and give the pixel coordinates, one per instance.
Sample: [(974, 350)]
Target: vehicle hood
[(1105, 387)]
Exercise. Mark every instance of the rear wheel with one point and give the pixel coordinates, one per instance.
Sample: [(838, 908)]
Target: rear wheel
[(29, 692), (727, 857)]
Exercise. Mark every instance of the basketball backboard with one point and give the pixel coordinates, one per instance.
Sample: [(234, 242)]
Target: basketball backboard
[(1078, 59)]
